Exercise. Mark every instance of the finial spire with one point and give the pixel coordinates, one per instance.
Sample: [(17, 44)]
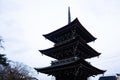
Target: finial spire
[(69, 15)]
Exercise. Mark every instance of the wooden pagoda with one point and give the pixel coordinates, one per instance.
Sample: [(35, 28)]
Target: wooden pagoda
[(70, 51)]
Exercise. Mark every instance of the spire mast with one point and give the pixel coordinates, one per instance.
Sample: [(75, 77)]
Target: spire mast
[(69, 15)]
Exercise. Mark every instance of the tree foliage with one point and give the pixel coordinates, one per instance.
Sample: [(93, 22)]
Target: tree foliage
[(16, 71), (3, 59), (10, 70)]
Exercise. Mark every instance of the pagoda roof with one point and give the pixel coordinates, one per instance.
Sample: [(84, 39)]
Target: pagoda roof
[(82, 64), (57, 51), (75, 23)]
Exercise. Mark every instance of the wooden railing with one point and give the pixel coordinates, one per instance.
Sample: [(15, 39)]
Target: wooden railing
[(57, 62)]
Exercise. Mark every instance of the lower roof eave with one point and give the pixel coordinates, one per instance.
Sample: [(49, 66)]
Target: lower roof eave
[(54, 68)]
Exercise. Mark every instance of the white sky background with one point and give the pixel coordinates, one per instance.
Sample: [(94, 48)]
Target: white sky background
[(23, 22)]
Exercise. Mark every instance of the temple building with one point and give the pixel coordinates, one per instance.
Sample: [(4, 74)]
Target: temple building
[(70, 51), (108, 78)]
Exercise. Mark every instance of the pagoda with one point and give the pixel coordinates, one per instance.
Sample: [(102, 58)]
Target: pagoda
[(70, 51)]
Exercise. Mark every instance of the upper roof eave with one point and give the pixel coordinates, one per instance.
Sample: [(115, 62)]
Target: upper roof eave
[(51, 35)]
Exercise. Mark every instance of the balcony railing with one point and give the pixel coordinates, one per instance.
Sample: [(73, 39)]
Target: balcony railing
[(57, 62)]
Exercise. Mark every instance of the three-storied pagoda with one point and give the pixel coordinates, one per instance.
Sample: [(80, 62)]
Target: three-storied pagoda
[(70, 51)]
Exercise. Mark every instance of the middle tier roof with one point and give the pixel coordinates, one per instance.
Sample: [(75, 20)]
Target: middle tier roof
[(75, 47)]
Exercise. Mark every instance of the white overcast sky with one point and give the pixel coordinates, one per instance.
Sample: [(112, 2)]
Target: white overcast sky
[(23, 22)]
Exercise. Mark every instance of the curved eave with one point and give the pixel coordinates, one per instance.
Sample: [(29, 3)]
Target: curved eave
[(62, 30), (51, 51), (85, 65)]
